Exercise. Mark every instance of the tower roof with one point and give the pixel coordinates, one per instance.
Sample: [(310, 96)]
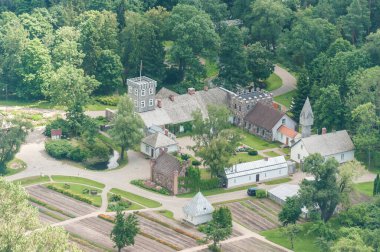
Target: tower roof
[(198, 205), (307, 116)]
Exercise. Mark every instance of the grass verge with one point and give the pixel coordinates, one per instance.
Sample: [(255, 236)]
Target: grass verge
[(285, 99), (278, 181), (272, 154), (79, 180), (32, 180), (166, 213), (273, 82), (136, 198), (244, 157), (132, 206), (254, 141), (14, 166), (216, 191), (365, 188)]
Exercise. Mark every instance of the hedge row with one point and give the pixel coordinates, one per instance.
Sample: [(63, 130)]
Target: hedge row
[(72, 195), (208, 184), (108, 100), (140, 183)]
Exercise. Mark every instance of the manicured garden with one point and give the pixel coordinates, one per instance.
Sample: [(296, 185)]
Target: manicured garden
[(79, 180), (136, 198), (255, 142), (273, 82), (116, 202)]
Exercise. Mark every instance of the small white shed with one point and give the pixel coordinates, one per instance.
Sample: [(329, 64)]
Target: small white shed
[(256, 171), (198, 210), (152, 144)]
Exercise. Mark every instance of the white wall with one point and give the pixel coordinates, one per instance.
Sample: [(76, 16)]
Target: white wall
[(288, 123), (251, 178), (146, 149), (282, 139), (347, 156), (298, 152), (198, 219)]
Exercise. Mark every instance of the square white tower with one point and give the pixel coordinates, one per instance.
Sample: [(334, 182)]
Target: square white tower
[(142, 90)]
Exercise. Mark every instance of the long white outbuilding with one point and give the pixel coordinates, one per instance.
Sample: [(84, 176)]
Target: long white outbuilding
[(256, 171)]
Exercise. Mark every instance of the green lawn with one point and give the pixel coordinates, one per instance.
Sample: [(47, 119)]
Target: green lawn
[(79, 180), (375, 160), (133, 206), (32, 180), (286, 150), (285, 99), (272, 154), (136, 198), (166, 213), (14, 166), (273, 82), (211, 68), (303, 242), (78, 190), (216, 191), (278, 181), (255, 142), (243, 157), (365, 187)]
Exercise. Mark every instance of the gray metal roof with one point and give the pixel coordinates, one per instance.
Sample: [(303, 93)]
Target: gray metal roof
[(306, 115), (329, 143), (198, 205), (262, 165), (284, 191), (180, 110), (158, 140)]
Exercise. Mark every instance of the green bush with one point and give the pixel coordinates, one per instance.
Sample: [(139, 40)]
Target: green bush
[(69, 194), (108, 100), (252, 153), (115, 198), (208, 184), (121, 205), (261, 194), (140, 183), (58, 124), (185, 157), (196, 163), (98, 151), (78, 154), (58, 149)]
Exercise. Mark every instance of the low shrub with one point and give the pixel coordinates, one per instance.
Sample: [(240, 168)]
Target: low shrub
[(208, 184), (140, 183), (196, 163), (78, 154), (185, 157), (252, 153), (58, 124), (67, 193), (66, 186), (121, 205), (85, 191), (108, 100), (58, 149), (106, 218), (115, 198), (261, 194), (98, 152)]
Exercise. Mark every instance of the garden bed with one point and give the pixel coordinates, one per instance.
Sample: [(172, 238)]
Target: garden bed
[(116, 201), (136, 198), (151, 186)]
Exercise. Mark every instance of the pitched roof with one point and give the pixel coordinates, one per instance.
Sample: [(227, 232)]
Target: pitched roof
[(167, 164), (165, 93), (264, 116), (287, 131), (179, 110), (158, 140), (306, 115), (198, 205), (261, 165), (284, 191), (328, 144)]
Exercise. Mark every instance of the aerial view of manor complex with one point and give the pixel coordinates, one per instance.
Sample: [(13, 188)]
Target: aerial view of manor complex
[(190, 125)]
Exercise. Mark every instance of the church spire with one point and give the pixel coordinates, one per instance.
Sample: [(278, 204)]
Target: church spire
[(306, 118)]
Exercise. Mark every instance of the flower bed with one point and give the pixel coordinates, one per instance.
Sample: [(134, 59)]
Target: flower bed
[(67, 193), (151, 186)]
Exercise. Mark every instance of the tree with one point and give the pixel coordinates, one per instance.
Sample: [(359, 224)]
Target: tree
[(291, 211), (365, 122), (268, 20), (39, 24), (329, 108), (109, 72), (193, 34), (302, 92), (220, 228), (260, 62), (306, 39), (323, 192), (348, 172), (372, 46), (70, 87), (232, 59), (125, 230), (291, 231), (376, 186), (357, 22), (11, 140), (20, 228), (127, 126), (193, 179), (215, 8), (351, 241)]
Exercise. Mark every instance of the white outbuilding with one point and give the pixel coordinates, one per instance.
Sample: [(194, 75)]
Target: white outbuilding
[(256, 171), (281, 192), (198, 210), (154, 143)]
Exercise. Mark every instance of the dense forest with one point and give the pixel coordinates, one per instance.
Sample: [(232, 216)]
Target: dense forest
[(332, 45)]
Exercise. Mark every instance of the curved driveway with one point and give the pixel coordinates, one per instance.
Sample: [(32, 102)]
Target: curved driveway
[(289, 82)]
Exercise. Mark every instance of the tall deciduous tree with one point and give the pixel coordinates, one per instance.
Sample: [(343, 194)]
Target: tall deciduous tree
[(323, 192), (70, 87), (125, 230), (260, 62), (127, 130), (302, 92), (268, 20), (220, 228), (20, 229), (291, 231), (291, 211)]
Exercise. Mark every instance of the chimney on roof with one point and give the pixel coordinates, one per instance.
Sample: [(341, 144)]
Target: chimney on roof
[(159, 103), (171, 97), (205, 88), (191, 91), (324, 131)]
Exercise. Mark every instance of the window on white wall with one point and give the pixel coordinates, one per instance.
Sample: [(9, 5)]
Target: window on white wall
[(342, 156), (150, 102), (283, 121), (143, 104), (150, 91), (136, 92), (143, 91)]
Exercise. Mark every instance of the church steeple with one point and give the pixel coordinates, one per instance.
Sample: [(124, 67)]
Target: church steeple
[(306, 118)]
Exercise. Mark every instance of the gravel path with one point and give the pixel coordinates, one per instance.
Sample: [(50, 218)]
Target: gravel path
[(289, 82)]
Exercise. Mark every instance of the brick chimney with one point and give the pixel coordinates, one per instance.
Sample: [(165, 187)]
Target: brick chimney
[(159, 103), (171, 97), (205, 88), (191, 91), (324, 131)]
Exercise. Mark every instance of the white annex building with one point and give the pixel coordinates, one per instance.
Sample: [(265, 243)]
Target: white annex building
[(256, 171), (198, 210), (281, 192), (154, 143)]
